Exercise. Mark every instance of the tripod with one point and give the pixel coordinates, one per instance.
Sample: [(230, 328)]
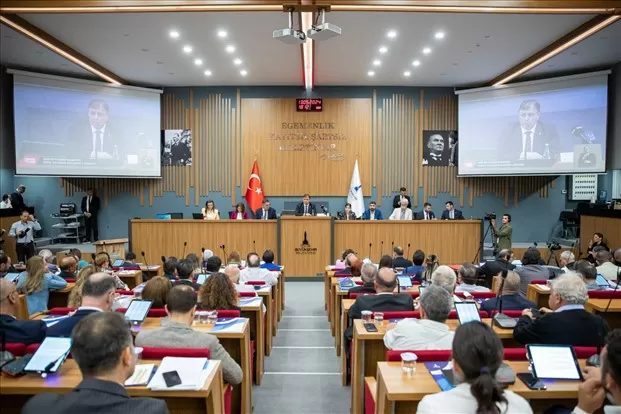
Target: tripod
[(551, 256), (489, 227)]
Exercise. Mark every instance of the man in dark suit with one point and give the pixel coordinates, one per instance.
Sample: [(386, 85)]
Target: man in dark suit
[(426, 214), (25, 332), (398, 260), (529, 139), (68, 266), (450, 213), (511, 298), (97, 296), (367, 274), (185, 271), (90, 209), (587, 158), (305, 208), (434, 154), (493, 267), (102, 346), (396, 202), (566, 322), (17, 200), (96, 139), (372, 213), (266, 212)]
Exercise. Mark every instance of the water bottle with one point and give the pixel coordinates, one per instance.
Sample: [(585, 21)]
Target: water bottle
[(546, 152)]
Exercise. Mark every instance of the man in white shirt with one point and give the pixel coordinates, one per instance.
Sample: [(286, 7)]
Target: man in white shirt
[(23, 231), (566, 261), (604, 265), (468, 279), (428, 332), (6, 202), (253, 271), (402, 213)]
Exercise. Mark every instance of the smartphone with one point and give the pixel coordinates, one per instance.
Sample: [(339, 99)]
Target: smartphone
[(531, 382), (171, 378), (370, 327), (536, 313)]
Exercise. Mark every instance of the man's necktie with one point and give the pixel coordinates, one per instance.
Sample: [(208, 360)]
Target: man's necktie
[(529, 141), (305, 209), (402, 214), (451, 215), (426, 216), (88, 204), (264, 215)]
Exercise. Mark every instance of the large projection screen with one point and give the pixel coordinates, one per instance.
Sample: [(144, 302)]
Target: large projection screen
[(71, 127), (545, 127)]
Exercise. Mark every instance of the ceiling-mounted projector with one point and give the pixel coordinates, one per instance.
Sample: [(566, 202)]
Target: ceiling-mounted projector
[(323, 32), (289, 36)]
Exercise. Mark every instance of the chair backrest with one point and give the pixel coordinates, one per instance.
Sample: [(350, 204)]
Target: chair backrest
[(16, 348), (359, 282), (583, 352), (604, 294), (423, 356), (70, 280), (515, 354), (256, 282), (538, 282), (22, 312), (60, 311), (153, 312), (125, 292), (401, 315), (247, 294), (478, 295), (354, 295), (160, 353)]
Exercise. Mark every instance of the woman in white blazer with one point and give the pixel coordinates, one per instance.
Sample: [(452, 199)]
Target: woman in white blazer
[(402, 213), (477, 354)]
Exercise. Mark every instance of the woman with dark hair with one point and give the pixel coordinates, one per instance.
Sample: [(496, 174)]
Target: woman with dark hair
[(218, 293), (210, 212), (477, 355), (340, 263), (597, 240), (239, 213), (385, 261), (347, 214)]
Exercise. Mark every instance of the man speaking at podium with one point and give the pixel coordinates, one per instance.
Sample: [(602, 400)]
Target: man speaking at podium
[(305, 208)]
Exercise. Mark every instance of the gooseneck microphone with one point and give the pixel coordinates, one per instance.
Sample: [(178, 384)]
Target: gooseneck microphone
[(254, 245), (323, 208), (392, 246), (163, 259), (185, 243), (144, 259), (408, 254), (370, 244), (382, 248), (225, 255)]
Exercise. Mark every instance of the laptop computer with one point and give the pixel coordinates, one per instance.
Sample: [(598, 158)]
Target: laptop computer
[(197, 216)]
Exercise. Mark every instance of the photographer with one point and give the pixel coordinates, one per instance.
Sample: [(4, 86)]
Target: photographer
[(503, 234), (23, 231)]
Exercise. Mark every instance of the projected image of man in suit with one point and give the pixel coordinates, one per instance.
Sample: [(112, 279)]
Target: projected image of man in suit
[(97, 140), (530, 138)]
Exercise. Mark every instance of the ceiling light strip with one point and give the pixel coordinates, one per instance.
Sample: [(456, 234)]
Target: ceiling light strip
[(569, 43), (142, 9), (473, 9), (307, 51), (58, 50)]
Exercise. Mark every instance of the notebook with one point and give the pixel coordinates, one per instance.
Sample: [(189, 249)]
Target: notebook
[(192, 371)]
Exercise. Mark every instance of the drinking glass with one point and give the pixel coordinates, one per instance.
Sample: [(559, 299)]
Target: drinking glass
[(203, 317), (366, 316), (212, 317), (197, 318), (378, 318), (408, 363)]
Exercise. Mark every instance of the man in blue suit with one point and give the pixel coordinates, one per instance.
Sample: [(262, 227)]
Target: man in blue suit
[(25, 332), (97, 296), (372, 213), (450, 213), (511, 298)]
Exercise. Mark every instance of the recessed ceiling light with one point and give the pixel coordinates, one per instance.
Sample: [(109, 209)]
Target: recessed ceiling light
[(174, 34), (371, 73), (207, 72), (237, 62), (230, 48), (416, 63), (243, 72), (222, 34), (391, 34), (439, 35), (407, 73), (377, 62), (426, 51), (383, 49), (187, 49), (198, 62)]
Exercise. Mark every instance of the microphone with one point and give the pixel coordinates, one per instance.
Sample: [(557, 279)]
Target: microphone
[(163, 259), (254, 246), (382, 249), (370, 244), (323, 208), (595, 360), (225, 255), (408, 254), (392, 246), (185, 243), (93, 256), (203, 264), (144, 258)]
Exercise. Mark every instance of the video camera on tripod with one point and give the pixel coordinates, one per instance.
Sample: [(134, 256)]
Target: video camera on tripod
[(554, 246), (490, 216)]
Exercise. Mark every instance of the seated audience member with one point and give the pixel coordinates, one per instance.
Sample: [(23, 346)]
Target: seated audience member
[(36, 283), (68, 267), (492, 268), (176, 332), (477, 355), (253, 271), (49, 258), (511, 298), (185, 271), (428, 332), (416, 270), (97, 296), (5, 264), (214, 263), (170, 268), (398, 260), (368, 273), (206, 255), (588, 273), (444, 277), (102, 346), (232, 271), (156, 290), (468, 278), (268, 261), (75, 297), (566, 261), (102, 263), (383, 300), (78, 257), (218, 293), (566, 322), (433, 262), (130, 261), (6, 202), (605, 267), (26, 332), (594, 243), (531, 269), (385, 261), (234, 258), (340, 264), (346, 271), (195, 263)]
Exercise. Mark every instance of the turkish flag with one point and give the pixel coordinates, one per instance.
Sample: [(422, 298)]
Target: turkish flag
[(254, 192)]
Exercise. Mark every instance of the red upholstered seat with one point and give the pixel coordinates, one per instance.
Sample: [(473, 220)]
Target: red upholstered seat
[(538, 282), (153, 312), (256, 282), (354, 295), (228, 313), (583, 352), (478, 295), (359, 282), (369, 401), (247, 294), (604, 294), (160, 353), (423, 356), (125, 292), (60, 311), (70, 280), (32, 348), (515, 354), (16, 348), (228, 398), (401, 315)]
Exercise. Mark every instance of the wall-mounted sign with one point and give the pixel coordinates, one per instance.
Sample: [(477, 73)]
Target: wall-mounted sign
[(309, 105)]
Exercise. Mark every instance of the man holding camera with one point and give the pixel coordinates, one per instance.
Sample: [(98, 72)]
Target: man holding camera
[(23, 231), (503, 234)]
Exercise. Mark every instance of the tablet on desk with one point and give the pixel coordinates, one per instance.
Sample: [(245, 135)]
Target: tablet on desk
[(554, 362), (50, 355), (201, 278), (138, 310), (11, 277), (600, 279), (404, 282), (118, 263), (467, 312)]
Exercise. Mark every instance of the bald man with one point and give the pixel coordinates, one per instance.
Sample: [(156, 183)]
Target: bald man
[(25, 332), (68, 266)]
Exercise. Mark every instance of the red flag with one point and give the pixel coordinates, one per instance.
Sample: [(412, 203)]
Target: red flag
[(254, 192)]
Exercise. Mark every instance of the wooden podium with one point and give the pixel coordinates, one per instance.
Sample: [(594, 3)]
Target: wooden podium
[(114, 247), (305, 244)]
